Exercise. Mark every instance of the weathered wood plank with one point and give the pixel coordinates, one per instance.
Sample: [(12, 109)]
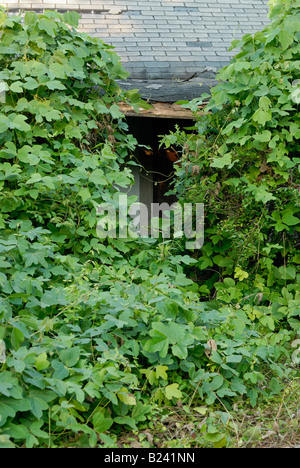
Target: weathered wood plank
[(162, 110)]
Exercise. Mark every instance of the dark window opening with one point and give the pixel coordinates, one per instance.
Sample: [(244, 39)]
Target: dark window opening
[(157, 175)]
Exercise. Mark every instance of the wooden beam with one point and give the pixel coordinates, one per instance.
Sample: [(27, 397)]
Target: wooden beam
[(160, 110)]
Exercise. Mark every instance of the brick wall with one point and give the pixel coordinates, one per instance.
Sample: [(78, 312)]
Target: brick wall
[(164, 38)]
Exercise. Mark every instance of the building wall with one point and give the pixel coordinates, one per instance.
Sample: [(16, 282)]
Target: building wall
[(164, 38)]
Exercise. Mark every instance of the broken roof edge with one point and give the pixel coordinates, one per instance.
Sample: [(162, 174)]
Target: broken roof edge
[(169, 91)]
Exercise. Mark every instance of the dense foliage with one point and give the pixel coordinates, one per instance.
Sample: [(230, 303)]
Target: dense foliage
[(96, 335), (243, 163)]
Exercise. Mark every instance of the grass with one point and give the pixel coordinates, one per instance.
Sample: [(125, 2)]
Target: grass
[(272, 424)]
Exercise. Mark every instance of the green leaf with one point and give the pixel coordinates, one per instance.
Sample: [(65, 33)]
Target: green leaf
[(101, 422), (234, 358), (16, 87), (157, 344), (55, 84), (214, 437), (253, 395), (172, 391), (49, 182), (18, 364), (220, 98), (263, 137), (217, 382), (127, 421), (97, 177), (47, 25), (296, 259), (265, 103), (4, 124), (17, 338), (161, 372), (115, 112), (57, 70), (126, 398), (42, 362), (30, 83), (289, 219), (85, 194), (5, 388), (17, 431), (140, 410), (34, 68), (19, 123), (7, 411), (30, 18), (34, 178), (285, 39), (262, 117), (288, 272), (180, 351), (173, 331), (268, 321), (222, 162), (72, 18), (37, 406), (54, 297), (70, 357), (61, 372), (261, 193), (35, 428), (240, 274)]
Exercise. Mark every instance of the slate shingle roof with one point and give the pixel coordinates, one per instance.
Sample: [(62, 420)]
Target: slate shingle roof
[(164, 39)]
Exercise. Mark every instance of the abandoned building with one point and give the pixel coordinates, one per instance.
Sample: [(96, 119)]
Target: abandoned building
[(172, 51)]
